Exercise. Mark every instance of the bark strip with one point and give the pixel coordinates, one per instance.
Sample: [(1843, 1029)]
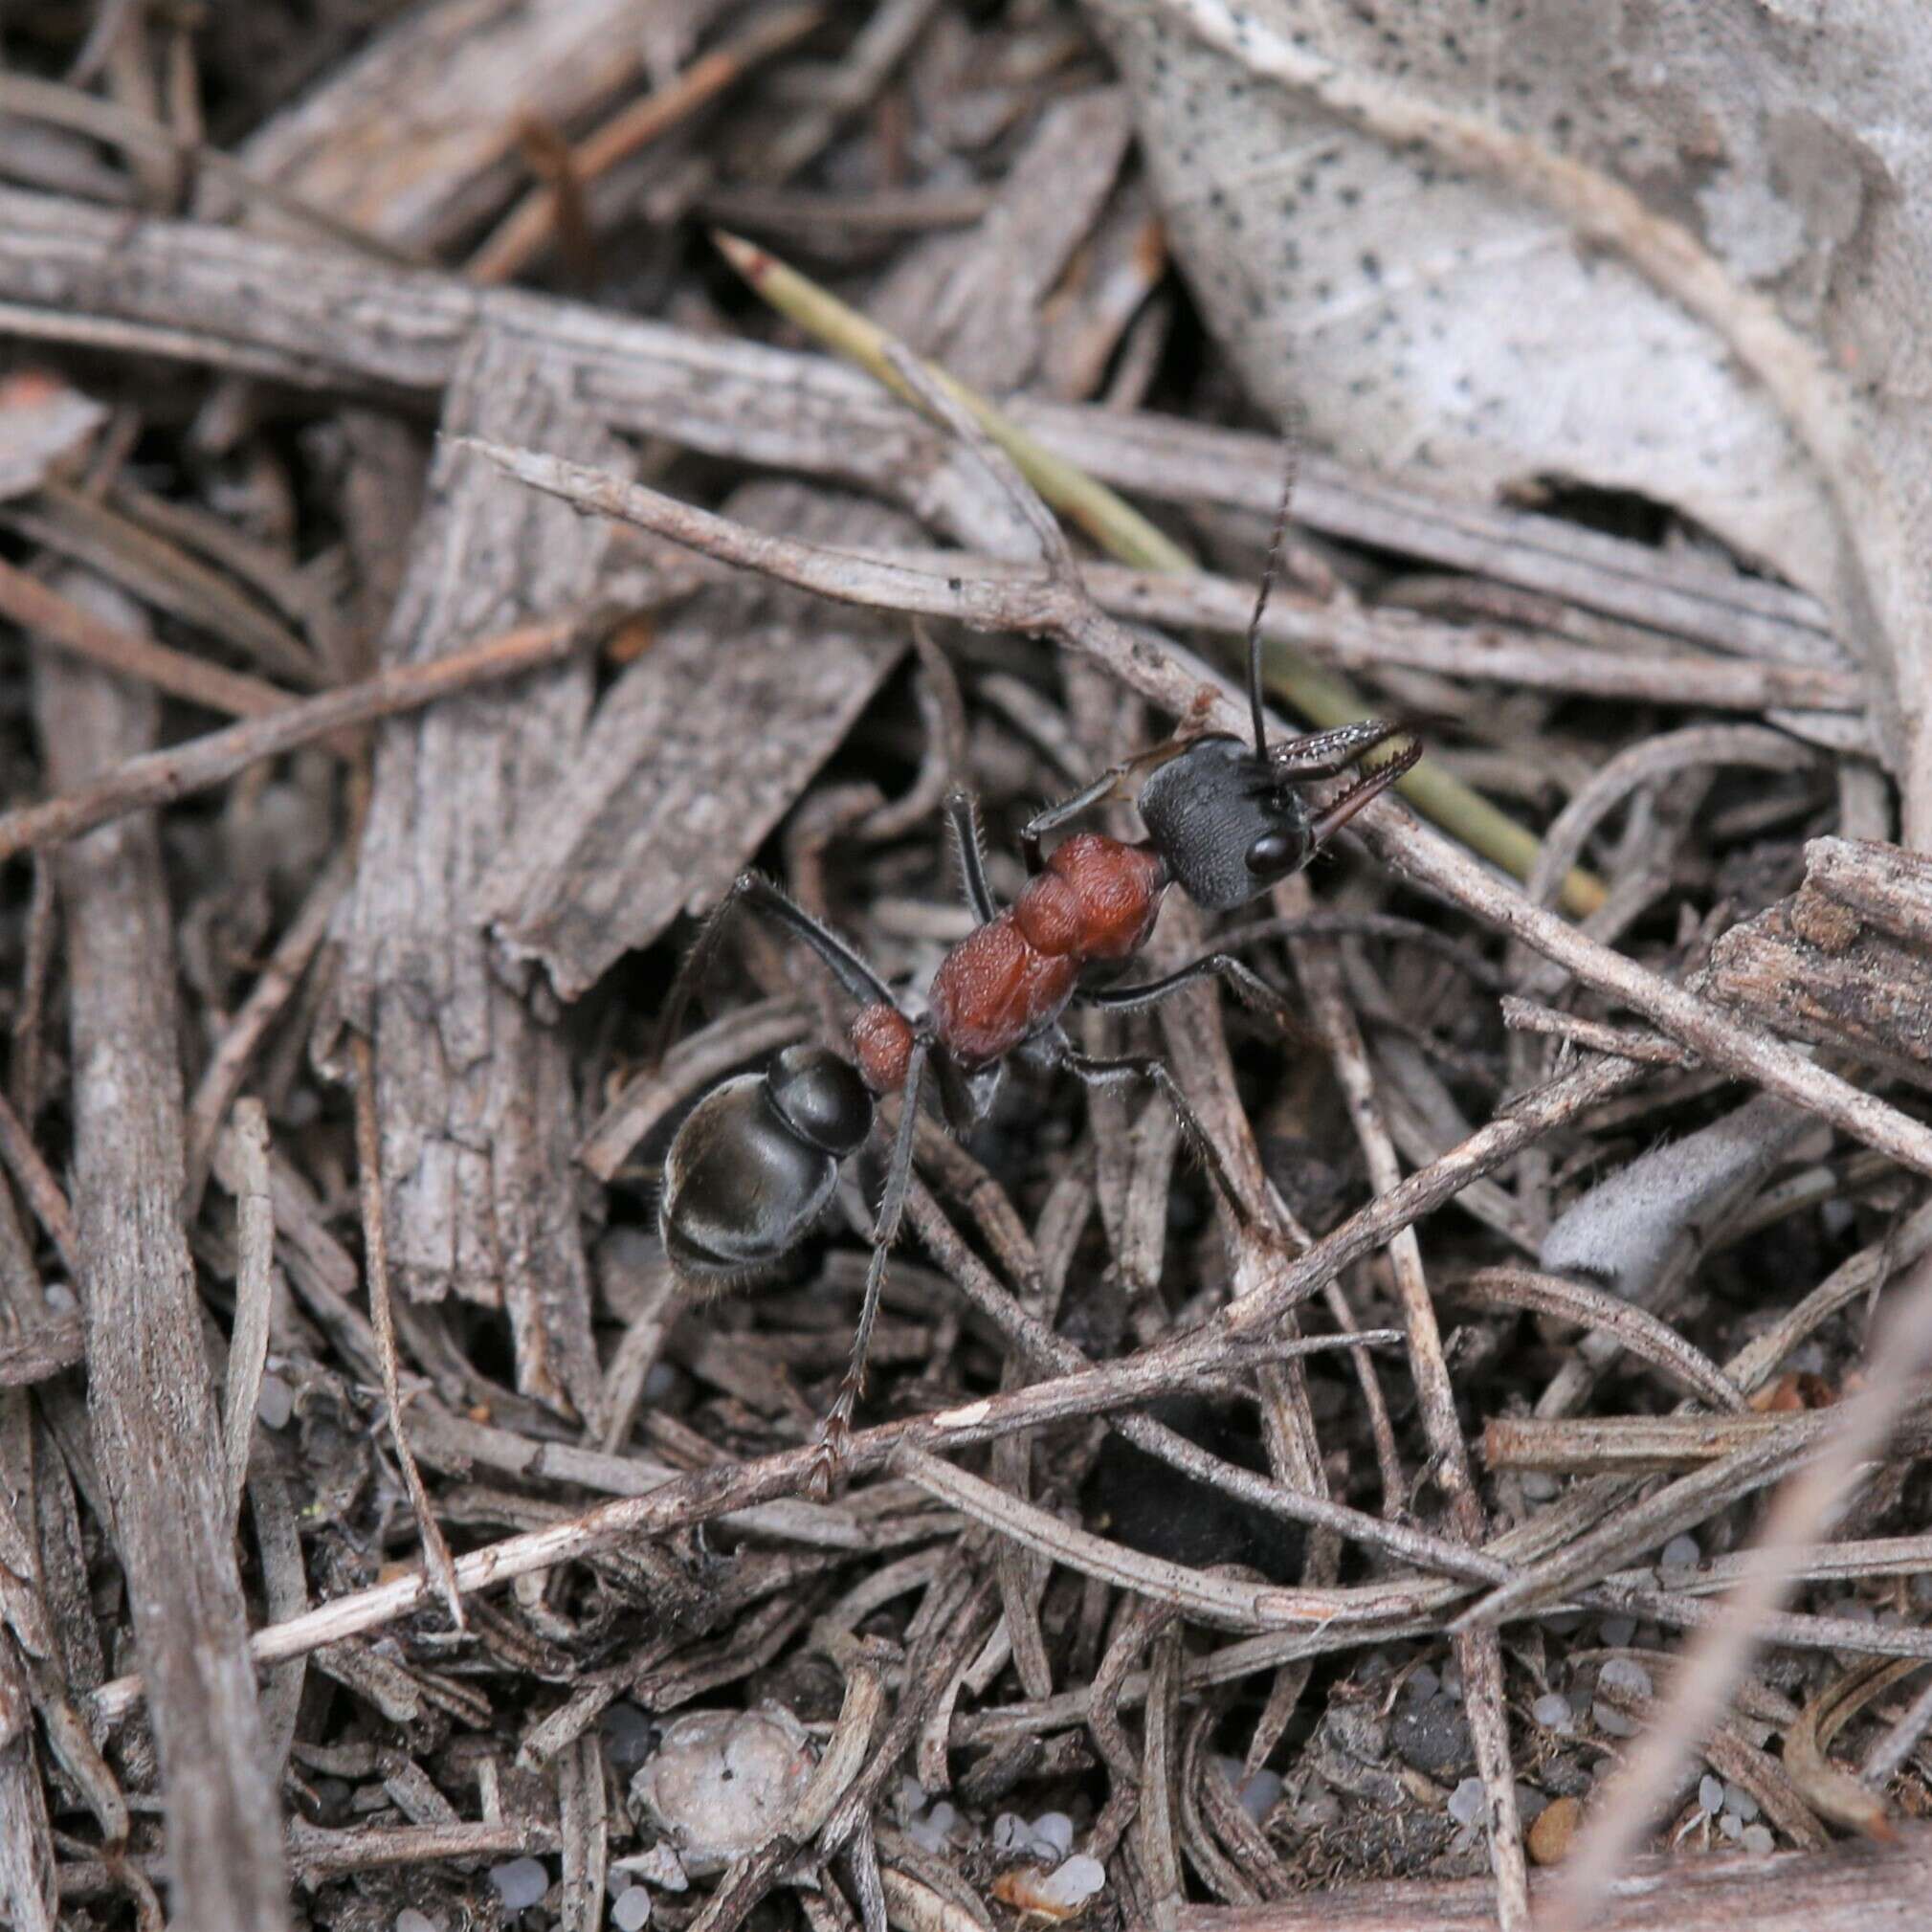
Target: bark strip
[(156, 1431)]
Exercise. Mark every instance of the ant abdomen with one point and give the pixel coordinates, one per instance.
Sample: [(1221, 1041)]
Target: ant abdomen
[(754, 1164)]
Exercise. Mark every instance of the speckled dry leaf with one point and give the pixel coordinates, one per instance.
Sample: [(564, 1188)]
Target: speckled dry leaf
[(1421, 315)]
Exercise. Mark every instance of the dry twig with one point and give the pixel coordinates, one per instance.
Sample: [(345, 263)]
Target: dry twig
[(161, 777), (1044, 607)]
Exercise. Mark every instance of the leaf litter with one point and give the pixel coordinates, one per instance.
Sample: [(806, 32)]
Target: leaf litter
[(1216, 1620)]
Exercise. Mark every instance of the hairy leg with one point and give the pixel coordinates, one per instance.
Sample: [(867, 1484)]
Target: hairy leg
[(761, 895)]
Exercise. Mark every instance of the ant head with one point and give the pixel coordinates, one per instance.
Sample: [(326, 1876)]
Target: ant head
[(822, 1099), (1229, 820), (1225, 823)]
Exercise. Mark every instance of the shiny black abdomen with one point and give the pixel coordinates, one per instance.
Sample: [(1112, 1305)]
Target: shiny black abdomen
[(740, 1187)]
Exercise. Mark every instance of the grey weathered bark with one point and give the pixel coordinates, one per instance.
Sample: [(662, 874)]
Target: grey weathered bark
[(150, 1402), (26, 1882), (394, 142), (1843, 961), (753, 688), (477, 1112), (972, 300)]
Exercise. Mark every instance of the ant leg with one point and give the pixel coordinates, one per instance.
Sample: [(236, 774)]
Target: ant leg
[(1112, 781), (1148, 1067), (836, 1429), (962, 815), (1052, 817), (1243, 981), (1278, 541), (763, 896), (1328, 754)]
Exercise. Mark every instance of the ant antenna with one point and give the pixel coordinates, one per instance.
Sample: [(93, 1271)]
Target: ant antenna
[(1269, 571)]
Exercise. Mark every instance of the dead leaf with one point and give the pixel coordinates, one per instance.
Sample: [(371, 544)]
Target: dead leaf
[(1671, 249)]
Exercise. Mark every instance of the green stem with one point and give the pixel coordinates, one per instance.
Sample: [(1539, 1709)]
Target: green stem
[(1115, 526)]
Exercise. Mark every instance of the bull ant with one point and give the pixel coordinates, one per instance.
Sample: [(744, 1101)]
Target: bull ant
[(755, 1163)]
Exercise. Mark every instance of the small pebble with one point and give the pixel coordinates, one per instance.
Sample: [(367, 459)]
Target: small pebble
[(627, 1737), (1612, 1721), (1530, 1803), (60, 1298), (660, 1866), (1433, 1736), (1681, 1552), (1468, 1802), (410, 1920), (1012, 1833), (1318, 1810), (631, 1910), (1055, 1831), (659, 1382), (273, 1402), (1563, 1624), (1452, 1682), (521, 1883), (1261, 1794), (1739, 1800), (1626, 1674), (1553, 1712), (1731, 1826), (1711, 1793), (1539, 1485), (332, 1797), (1555, 1825), (911, 1797), (929, 1834), (1617, 1632), (1758, 1839), (1073, 1882), (1423, 1684)]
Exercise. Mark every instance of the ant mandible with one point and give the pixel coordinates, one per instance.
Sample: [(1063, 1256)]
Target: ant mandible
[(755, 1163)]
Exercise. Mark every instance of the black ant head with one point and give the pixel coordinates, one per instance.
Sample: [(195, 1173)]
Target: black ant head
[(821, 1098), (1226, 828), (1230, 820), (1228, 823)]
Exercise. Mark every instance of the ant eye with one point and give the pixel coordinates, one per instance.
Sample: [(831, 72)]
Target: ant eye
[(1274, 851)]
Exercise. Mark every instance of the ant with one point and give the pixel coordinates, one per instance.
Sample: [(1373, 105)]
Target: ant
[(755, 1163)]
